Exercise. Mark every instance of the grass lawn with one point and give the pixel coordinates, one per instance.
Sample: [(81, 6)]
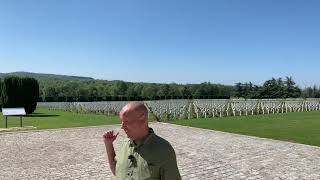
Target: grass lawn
[(300, 127), (45, 119)]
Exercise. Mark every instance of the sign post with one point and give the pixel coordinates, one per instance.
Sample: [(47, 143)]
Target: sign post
[(6, 121), (13, 112)]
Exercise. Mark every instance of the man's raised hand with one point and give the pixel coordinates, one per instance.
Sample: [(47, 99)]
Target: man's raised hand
[(109, 137)]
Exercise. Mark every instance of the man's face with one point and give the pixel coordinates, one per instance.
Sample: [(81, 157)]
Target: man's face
[(131, 125)]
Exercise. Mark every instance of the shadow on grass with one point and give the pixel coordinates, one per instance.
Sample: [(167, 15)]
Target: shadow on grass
[(42, 115)]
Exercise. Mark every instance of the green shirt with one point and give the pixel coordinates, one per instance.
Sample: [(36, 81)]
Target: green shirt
[(153, 159)]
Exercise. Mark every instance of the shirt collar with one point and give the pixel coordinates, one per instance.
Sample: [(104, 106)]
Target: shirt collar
[(144, 141)]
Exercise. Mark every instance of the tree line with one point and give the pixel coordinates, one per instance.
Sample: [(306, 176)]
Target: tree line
[(103, 90), (275, 88)]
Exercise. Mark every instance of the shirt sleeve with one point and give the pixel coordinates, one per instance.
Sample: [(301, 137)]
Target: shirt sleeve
[(169, 170)]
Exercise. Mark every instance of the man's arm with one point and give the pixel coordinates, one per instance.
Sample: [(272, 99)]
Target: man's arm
[(108, 139), (169, 170)]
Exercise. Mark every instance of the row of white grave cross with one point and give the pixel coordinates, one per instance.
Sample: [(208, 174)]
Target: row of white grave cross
[(197, 108)]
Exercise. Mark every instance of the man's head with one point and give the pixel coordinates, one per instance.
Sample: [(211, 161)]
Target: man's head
[(134, 120)]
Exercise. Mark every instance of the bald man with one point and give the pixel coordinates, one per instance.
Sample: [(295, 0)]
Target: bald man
[(144, 155)]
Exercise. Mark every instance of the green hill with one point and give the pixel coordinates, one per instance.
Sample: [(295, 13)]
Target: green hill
[(41, 76)]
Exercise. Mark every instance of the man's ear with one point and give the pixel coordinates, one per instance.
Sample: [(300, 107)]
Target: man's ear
[(143, 118)]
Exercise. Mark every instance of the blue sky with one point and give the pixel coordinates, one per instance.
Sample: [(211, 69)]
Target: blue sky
[(182, 41)]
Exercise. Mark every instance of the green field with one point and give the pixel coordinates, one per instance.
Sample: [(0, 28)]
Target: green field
[(300, 127), (45, 119)]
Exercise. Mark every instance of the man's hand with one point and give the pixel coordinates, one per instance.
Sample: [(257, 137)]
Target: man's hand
[(109, 137)]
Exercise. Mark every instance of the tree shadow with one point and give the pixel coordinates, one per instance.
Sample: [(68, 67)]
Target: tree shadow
[(41, 115)]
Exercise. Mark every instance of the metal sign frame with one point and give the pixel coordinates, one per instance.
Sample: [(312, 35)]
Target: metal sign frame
[(13, 112)]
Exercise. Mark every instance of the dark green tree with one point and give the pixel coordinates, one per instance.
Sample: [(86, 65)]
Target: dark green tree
[(20, 92)]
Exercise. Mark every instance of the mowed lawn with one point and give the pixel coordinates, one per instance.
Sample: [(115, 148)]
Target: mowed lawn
[(300, 127), (47, 119)]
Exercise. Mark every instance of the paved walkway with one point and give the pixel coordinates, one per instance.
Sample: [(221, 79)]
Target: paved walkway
[(202, 154)]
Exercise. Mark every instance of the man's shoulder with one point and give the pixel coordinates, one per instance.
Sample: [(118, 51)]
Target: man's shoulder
[(163, 151), (161, 141), (162, 144)]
